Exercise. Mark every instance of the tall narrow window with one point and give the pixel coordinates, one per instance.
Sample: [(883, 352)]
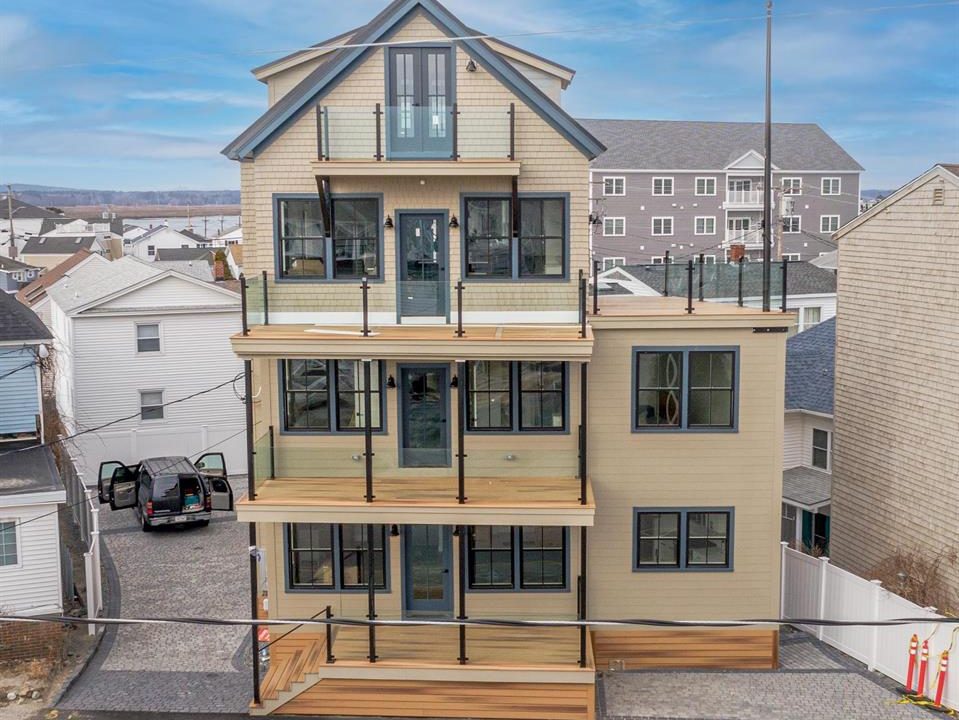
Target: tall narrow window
[(659, 389), (542, 557), (488, 387), (355, 556), (707, 536), (542, 390), (350, 392), (658, 539), (148, 338), (356, 231), (487, 231), (820, 449), (301, 237), (542, 237), (491, 557), (711, 376), (307, 395), (8, 543), (151, 404), (311, 555)]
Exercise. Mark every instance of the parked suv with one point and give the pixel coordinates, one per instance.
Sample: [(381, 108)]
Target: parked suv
[(167, 490)]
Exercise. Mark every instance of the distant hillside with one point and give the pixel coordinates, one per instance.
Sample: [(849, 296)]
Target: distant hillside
[(872, 194), (46, 196)]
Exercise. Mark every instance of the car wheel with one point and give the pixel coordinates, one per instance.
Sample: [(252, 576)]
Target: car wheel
[(144, 525)]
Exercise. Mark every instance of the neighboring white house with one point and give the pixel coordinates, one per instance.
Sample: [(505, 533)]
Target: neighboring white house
[(160, 237), (27, 221), (233, 236), (234, 259), (130, 338)]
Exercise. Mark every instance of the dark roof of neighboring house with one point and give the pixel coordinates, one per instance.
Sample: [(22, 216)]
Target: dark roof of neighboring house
[(697, 145), (28, 470), (188, 254), (58, 244), (193, 236), (951, 167), (36, 291), (52, 223), (721, 280), (807, 486), (10, 264), (18, 322), (23, 210), (810, 368)]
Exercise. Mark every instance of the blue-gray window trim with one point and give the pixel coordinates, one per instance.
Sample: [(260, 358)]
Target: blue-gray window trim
[(337, 563), (683, 425), (515, 405), (334, 399), (515, 242), (517, 570), (683, 524), (278, 275)]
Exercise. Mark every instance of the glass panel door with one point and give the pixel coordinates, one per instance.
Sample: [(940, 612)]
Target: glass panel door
[(424, 408), (428, 569), (422, 287), (420, 103)]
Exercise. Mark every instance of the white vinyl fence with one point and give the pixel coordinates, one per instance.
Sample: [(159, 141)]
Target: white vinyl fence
[(813, 589)]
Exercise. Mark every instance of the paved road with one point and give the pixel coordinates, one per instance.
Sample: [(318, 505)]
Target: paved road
[(169, 572)]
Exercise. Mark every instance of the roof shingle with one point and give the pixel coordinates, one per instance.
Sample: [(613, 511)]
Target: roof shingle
[(810, 369), (18, 322)]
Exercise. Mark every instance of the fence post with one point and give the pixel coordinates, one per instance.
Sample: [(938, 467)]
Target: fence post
[(782, 579), (876, 600), (823, 572)]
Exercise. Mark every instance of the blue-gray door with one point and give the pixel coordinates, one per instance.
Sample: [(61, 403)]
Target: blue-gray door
[(423, 288), (420, 103), (424, 416), (428, 565)]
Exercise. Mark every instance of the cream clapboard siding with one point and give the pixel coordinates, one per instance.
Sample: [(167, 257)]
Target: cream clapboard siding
[(742, 470), (32, 586), (897, 384), (282, 82), (549, 164)]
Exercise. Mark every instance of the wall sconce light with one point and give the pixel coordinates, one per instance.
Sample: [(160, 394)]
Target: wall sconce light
[(456, 531), (394, 530), (454, 223), (455, 382), (471, 66), (595, 219), (389, 222), (391, 382)]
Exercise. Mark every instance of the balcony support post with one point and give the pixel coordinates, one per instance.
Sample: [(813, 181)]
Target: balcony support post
[(368, 427), (365, 287), (515, 209), (463, 659), (371, 590), (319, 133), (459, 308), (330, 657), (243, 305), (582, 596), (702, 262), (272, 454), (583, 434), (742, 263), (595, 287), (461, 434), (454, 121), (582, 304), (379, 132), (251, 493), (512, 131), (785, 273), (689, 287), (666, 274), (323, 193), (266, 300)]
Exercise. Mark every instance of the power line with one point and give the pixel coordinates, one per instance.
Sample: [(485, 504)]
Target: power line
[(16, 370)]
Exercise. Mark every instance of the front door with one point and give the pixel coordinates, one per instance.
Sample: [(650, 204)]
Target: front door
[(420, 102), (423, 287), (424, 416), (427, 558)]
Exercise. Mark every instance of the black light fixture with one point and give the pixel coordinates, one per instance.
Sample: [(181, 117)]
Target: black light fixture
[(454, 223), (595, 219), (394, 530), (456, 531), (391, 382), (389, 222), (471, 66), (455, 382)]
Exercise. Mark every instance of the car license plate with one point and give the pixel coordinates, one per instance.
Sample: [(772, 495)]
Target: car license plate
[(180, 518)]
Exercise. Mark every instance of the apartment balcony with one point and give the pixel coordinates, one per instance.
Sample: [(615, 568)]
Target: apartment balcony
[(743, 200), (416, 141), (752, 238)]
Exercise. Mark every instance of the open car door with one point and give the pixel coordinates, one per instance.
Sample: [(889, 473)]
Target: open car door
[(213, 468), (103, 479), (212, 464), (123, 488)]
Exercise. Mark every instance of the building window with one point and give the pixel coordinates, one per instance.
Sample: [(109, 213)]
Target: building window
[(356, 238), (8, 543), (831, 186), (820, 449), (537, 405), (491, 557), (151, 250), (679, 389), (682, 539), (705, 186), (662, 186), (148, 338), (792, 224), (706, 226), (811, 316), (542, 557), (151, 404), (661, 260), (707, 259), (662, 226), (316, 391), (828, 223), (792, 257), (792, 186), (787, 532), (614, 227), (614, 186), (321, 556), (487, 233), (612, 262), (302, 239), (542, 237)]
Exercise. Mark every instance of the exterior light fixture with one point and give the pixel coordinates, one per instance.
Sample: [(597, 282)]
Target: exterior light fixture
[(391, 382), (454, 223), (394, 530), (389, 222), (471, 66), (455, 382)]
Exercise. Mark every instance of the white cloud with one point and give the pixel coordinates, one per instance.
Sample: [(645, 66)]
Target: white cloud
[(16, 112), (204, 97)]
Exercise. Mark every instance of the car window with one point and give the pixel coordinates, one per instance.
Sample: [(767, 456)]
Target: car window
[(166, 488)]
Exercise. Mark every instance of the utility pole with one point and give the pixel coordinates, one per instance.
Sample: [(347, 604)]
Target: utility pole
[(768, 164), (12, 252)]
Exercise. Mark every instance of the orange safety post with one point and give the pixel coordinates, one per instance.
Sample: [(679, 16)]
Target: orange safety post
[(911, 672), (923, 667), (941, 681)]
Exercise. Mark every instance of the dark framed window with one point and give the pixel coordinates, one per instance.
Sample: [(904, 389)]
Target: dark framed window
[(524, 396), (302, 240), (355, 556), (356, 238), (8, 543), (685, 389), (327, 395), (311, 555), (487, 231), (693, 539), (542, 557), (491, 557), (542, 237)]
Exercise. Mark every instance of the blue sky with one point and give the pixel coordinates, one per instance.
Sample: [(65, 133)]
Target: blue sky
[(144, 94)]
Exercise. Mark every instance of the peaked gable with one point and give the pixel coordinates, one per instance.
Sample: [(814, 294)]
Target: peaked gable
[(169, 290), (751, 160), (343, 60)]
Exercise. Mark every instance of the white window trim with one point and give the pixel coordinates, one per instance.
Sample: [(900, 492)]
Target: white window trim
[(140, 405), (822, 186), (151, 250), (614, 178), (705, 194), (613, 260), (652, 225), (823, 217), (703, 217), (136, 338), (672, 186), (19, 540), (812, 449), (707, 259), (613, 219), (661, 259), (792, 257), (798, 230), (782, 185)]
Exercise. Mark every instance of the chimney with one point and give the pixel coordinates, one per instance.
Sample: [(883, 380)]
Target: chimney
[(218, 272), (736, 252)]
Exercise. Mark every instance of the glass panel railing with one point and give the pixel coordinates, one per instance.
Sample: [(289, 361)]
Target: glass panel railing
[(349, 133), (426, 298), (719, 281), (484, 132), (519, 461), (417, 132), (254, 300)]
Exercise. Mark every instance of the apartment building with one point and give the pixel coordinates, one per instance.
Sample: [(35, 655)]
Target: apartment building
[(895, 463), (687, 187), (439, 427)]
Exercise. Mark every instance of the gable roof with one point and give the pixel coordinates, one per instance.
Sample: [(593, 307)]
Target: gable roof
[(698, 145), (193, 236), (23, 210), (11, 265), (58, 244), (340, 61), (185, 234), (37, 290), (18, 322), (810, 369), (184, 254), (50, 224)]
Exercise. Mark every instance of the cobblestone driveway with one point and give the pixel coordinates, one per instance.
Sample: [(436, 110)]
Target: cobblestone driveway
[(177, 571)]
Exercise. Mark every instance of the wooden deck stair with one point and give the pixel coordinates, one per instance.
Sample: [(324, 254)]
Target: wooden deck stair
[(291, 660)]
